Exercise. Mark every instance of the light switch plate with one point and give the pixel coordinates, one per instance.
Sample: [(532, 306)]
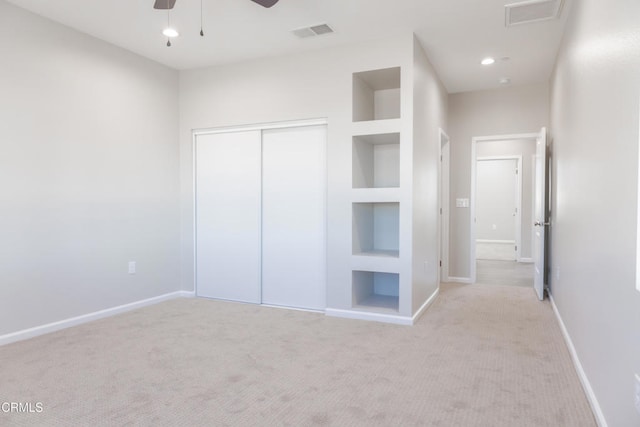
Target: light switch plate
[(462, 203), (132, 267)]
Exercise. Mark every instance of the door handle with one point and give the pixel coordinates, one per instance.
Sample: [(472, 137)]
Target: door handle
[(540, 224)]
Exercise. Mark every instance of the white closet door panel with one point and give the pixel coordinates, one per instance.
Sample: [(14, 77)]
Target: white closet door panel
[(228, 216), (293, 217)]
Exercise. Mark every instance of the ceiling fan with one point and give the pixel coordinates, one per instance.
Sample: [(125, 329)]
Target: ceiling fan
[(169, 4)]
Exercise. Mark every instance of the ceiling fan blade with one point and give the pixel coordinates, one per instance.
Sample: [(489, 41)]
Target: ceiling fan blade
[(265, 3), (164, 4)]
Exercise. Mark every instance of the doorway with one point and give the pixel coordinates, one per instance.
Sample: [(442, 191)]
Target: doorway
[(498, 208), (502, 202)]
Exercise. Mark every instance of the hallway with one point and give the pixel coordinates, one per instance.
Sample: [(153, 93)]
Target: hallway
[(508, 273)]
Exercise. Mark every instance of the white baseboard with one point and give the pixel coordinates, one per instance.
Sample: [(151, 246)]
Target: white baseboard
[(381, 317), (367, 315), (526, 260), (586, 385), (74, 321), (426, 305), (466, 280)]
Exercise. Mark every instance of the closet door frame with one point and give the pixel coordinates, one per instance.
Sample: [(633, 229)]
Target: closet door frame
[(244, 128)]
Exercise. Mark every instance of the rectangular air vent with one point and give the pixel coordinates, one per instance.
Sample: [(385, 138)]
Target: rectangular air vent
[(528, 11), (315, 30)]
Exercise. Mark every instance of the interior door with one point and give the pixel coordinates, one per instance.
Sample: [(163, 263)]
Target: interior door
[(228, 223), (293, 217), (496, 208), (540, 213)]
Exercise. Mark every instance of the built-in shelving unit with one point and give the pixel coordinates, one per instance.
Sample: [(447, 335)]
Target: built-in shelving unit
[(376, 229), (376, 204), (375, 291), (376, 161), (385, 185), (376, 95)]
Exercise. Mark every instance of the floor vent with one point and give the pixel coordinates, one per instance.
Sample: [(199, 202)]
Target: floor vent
[(524, 12), (316, 30)]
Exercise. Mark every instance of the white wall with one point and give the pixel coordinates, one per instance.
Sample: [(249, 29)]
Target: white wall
[(526, 149), (88, 174), (310, 85), (429, 115), (594, 128), (514, 110), (319, 84)]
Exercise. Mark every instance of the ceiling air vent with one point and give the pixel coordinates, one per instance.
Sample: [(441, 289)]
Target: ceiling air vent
[(316, 30), (528, 11)]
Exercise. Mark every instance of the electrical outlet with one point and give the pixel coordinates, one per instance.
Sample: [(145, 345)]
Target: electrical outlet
[(132, 267), (637, 397)]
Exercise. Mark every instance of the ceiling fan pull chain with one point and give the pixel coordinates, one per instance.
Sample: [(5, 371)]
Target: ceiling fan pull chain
[(168, 24), (201, 30)]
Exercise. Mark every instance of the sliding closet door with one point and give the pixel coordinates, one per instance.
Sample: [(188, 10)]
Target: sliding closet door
[(293, 217), (228, 216)]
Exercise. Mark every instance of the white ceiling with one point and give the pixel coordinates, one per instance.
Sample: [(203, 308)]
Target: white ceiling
[(456, 34)]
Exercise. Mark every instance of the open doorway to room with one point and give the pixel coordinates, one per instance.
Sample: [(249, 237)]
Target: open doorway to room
[(502, 202)]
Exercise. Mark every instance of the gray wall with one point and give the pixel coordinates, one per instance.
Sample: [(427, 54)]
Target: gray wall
[(594, 130), (519, 109), (526, 149), (88, 174)]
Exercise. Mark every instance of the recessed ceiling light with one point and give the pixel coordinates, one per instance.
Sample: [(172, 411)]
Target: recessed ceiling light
[(488, 61), (170, 32)]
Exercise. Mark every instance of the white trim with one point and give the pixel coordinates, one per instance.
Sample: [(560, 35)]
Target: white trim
[(507, 157), (638, 231), (89, 317), (591, 396), (512, 242), (506, 137), (261, 126), (368, 315), (466, 280), (194, 205), (284, 307), (533, 206), (426, 305), (526, 260), (382, 317), (443, 206), (472, 203)]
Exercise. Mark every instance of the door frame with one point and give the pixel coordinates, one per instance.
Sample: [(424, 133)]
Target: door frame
[(518, 190), (444, 166), (472, 204), (243, 128)]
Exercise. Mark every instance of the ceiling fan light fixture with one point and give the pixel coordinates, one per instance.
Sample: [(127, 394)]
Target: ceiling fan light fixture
[(170, 32)]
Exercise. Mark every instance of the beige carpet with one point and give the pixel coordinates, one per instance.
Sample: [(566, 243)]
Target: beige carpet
[(481, 356)]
